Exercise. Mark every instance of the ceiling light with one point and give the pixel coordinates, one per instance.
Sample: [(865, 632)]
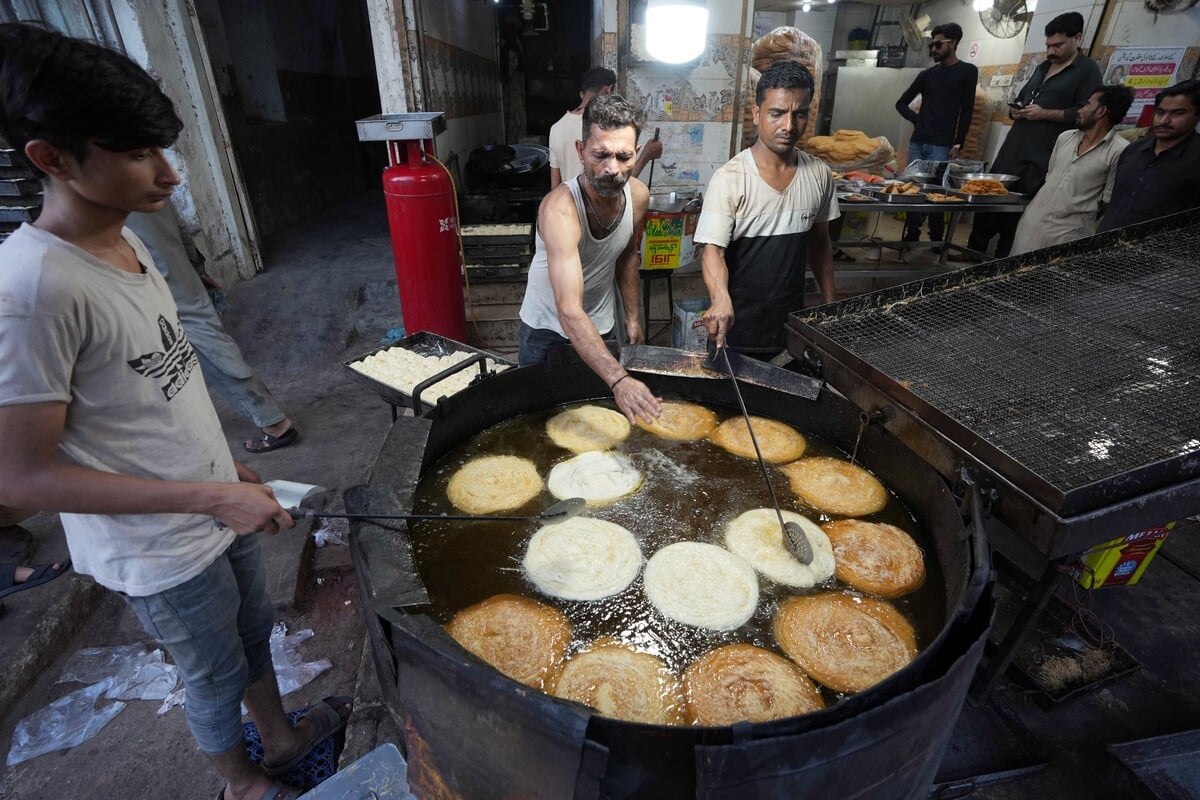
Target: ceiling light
[(806, 7), (982, 5), (676, 29)]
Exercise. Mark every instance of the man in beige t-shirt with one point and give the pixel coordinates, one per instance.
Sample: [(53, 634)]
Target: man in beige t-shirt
[(565, 162)]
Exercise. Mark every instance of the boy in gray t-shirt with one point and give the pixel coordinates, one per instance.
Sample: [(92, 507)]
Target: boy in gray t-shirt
[(104, 415)]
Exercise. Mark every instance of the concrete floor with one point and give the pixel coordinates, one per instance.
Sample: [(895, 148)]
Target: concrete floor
[(327, 295)]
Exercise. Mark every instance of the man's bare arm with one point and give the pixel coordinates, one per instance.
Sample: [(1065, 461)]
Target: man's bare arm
[(32, 475), (719, 317), (628, 267), (820, 259)]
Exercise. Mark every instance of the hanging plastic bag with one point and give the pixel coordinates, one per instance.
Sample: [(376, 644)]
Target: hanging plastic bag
[(67, 722)]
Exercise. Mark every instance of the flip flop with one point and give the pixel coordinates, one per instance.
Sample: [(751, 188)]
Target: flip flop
[(265, 442), (16, 544), (276, 791), (42, 573), (326, 722)]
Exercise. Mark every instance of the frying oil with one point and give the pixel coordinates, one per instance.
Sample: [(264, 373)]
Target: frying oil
[(691, 489)]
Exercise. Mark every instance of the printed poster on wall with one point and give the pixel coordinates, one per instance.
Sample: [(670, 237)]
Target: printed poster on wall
[(1145, 70)]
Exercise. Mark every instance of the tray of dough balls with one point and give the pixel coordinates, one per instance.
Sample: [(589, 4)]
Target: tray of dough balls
[(419, 369)]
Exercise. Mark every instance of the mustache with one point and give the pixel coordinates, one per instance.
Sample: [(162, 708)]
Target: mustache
[(608, 185)]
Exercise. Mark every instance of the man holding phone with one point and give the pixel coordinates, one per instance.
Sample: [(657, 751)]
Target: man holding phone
[(1046, 107)]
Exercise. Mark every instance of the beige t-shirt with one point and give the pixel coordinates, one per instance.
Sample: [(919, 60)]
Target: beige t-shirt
[(108, 343), (563, 135)]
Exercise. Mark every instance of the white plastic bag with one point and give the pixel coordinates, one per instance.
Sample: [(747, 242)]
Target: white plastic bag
[(67, 722)]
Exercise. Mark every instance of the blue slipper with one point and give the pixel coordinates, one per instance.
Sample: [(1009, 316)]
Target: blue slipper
[(326, 722), (42, 573)]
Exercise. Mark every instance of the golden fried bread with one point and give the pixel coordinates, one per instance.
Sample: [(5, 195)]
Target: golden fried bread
[(876, 558), (744, 683), (778, 442), (836, 486), (522, 638)]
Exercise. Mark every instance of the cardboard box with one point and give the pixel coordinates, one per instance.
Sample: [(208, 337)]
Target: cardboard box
[(687, 324), (1121, 561)]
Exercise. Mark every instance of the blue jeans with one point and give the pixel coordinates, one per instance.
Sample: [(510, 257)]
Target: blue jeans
[(937, 222), (217, 628)]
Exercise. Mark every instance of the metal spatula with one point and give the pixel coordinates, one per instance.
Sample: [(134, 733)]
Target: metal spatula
[(559, 512), (794, 539)]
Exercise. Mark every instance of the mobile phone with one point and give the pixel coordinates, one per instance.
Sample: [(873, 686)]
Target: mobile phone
[(1016, 105)]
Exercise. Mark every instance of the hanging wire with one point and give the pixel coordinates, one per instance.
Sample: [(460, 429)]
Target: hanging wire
[(462, 257)]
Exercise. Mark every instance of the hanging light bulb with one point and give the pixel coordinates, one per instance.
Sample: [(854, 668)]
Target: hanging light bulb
[(676, 29), (806, 7), (982, 5)]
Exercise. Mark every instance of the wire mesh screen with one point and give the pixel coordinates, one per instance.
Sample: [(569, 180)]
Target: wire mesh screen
[(1081, 369)]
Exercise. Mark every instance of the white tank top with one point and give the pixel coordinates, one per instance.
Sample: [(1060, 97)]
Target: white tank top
[(599, 260)]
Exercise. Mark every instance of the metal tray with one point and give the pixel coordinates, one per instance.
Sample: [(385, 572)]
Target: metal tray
[(843, 197), (425, 343), (989, 199), (900, 199), (937, 188), (397, 127)]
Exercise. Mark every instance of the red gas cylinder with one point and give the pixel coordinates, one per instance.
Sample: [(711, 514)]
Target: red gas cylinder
[(424, 226)]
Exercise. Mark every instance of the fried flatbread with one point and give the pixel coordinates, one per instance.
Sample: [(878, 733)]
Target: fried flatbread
[(622, 683), (701, 585), (490, 484), (836, 486), (586, 428), (847, 643), (597, 477), (757, 537), (777, 441), (582, 559), (681, 421), (876, 558), (522, 638), (744, 683)]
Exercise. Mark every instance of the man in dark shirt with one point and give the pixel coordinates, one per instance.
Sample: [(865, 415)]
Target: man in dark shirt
[(1045, 108), (947, 91), (1156, 175)]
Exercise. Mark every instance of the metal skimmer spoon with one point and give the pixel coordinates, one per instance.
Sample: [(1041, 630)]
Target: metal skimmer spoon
[(793, 535), (559, 512)]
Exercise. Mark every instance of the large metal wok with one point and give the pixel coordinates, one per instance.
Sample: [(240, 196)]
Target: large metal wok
[(470, 732)]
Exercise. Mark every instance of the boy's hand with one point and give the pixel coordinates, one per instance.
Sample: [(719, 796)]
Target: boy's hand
[(250, 508)]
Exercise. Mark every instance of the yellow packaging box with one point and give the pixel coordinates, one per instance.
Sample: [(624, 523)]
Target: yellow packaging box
[(1121, 561)]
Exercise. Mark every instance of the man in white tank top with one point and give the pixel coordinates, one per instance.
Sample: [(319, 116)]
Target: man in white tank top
[(585, 238)]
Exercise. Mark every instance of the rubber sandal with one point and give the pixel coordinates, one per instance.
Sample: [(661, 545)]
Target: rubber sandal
[(265, 442), (326, 722), (42, 573)]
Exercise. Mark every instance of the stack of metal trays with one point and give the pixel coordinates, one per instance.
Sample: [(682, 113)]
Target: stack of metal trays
[(498, 250)]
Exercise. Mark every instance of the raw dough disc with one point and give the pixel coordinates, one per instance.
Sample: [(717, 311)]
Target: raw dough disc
[(520, 637), (622, 683), (741, 682), (876, 558), (494, 483), (582, 559), (702, 585), (836, 486), (778, 442), (681, 421), (757, 537), (588, 428), (847, 643), (596, 477)]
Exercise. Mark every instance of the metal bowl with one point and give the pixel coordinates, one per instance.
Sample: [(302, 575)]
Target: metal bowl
[(1008, 180)]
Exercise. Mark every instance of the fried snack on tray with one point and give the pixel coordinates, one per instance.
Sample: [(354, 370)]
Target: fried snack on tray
[(865, 177), (983, 186), (843, 147), (902, 188), (855, 198), (938, 197)]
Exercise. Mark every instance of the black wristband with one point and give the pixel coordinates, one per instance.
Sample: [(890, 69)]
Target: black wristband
[(613, 385)]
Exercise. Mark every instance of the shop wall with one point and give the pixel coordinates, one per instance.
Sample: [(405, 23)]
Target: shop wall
[(461, 74), (696, 106), (293, 75)]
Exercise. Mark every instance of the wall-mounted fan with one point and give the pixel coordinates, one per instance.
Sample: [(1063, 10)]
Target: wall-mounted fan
[(1006, 18)]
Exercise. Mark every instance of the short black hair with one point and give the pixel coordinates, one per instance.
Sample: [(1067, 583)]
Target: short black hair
[(596, 79), (72, 93), (608, 112), (1189, 89), (1117, 98), (951, 30), (1069, 24), (783, 75)]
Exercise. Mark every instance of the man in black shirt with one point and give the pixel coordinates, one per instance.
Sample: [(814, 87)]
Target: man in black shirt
[(947, 91), (1045, 107), (1156, 175)]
